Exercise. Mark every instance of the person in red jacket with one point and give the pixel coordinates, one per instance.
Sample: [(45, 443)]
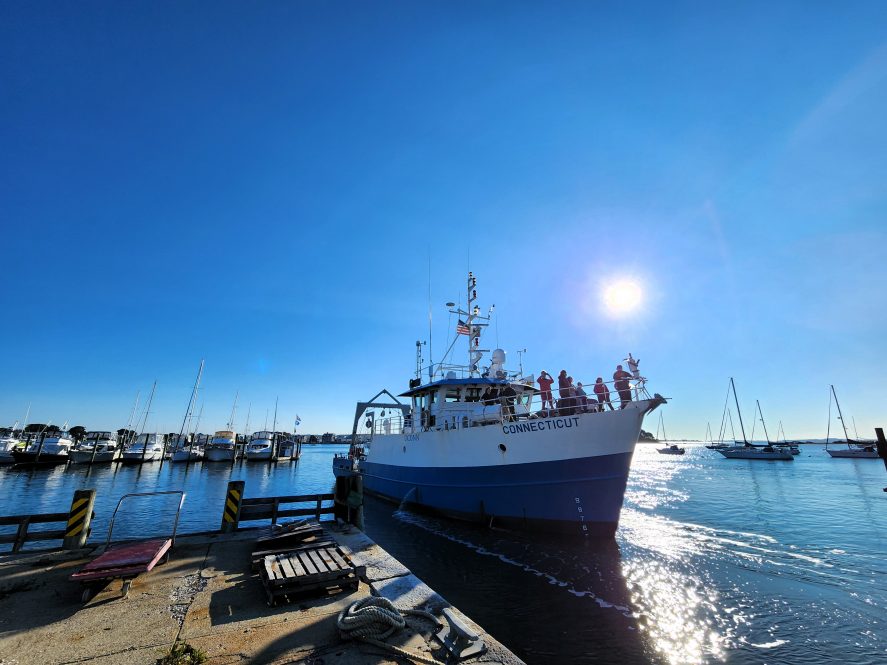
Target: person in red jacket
[(602, 393), (620, 383), (545, 380)]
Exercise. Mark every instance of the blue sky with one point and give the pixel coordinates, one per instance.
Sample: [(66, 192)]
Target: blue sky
[(262, 185)]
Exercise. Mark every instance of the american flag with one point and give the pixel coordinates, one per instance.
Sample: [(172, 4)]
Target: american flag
[(462, 328)]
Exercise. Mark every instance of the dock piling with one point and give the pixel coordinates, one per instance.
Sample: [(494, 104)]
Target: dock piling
[(79, 519), (233, 501)]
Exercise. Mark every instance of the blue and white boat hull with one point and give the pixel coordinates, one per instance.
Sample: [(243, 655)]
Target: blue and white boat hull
[(563, 474)]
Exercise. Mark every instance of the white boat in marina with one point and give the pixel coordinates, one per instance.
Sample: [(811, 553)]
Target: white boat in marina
[(97, 447), (9, 442), (848, 448), (503, 461), (190, 454), (222, 447), (745, 449), (50, 447), (145, 448), (260, 446)]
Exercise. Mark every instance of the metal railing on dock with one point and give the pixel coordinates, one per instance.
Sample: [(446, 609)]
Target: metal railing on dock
[(239, 509), (73, 536)]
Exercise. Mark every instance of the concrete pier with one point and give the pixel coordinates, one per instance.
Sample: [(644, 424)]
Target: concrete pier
[(208, 597)]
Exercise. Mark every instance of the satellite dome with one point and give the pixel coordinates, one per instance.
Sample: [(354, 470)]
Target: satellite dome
[(499, 357)]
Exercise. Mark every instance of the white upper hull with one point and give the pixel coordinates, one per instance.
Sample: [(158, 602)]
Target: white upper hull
[(526, 442)]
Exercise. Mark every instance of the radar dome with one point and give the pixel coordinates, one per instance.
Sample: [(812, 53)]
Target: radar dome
[(499, 357)]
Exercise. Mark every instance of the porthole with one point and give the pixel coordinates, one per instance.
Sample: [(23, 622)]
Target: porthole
[(502, 447)]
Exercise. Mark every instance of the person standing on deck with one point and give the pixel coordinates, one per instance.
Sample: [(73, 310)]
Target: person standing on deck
[(545, 380), (581, 398), (620, 383), (602, 393), (563, 389)]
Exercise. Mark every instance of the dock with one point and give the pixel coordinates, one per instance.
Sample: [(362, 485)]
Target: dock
[(210, 596)]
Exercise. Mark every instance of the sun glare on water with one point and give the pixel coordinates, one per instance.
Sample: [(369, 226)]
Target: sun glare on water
[(622, 297)]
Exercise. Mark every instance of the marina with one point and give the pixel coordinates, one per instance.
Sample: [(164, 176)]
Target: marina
[(488, 251), (749, 580)]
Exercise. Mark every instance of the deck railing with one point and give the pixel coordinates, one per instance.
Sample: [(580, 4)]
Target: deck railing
[(502, 410)]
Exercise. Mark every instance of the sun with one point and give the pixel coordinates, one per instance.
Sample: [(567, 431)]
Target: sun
[(622, 297)]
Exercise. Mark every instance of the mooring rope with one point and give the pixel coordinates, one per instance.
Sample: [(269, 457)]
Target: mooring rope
[(374, 619)]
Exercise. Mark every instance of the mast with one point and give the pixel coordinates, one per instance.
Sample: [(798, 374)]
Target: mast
[(188, 413), (129, 423), (249, 410), (145, 420), (707, 432), (233, 411), (738, 411), (840, 415), (763, 423), (274, 430)]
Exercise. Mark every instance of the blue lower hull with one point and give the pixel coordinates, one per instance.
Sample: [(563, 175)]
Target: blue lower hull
[(582, 496)]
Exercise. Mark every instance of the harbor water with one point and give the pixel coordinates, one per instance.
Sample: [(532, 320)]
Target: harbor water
[(715, 560)]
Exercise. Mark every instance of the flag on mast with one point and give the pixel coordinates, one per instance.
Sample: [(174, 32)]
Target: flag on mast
[(462, 328)]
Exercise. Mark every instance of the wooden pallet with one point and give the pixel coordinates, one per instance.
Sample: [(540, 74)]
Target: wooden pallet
[(324, 567)]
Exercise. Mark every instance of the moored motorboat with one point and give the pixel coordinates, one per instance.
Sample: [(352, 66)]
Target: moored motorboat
[(221, 448), (48, 448), (145, 448), (97, 447), (9, 442), (458, 450), (260, 446), (671, 450)]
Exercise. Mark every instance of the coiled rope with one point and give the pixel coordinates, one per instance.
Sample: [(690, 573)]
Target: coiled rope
[(374, 619)]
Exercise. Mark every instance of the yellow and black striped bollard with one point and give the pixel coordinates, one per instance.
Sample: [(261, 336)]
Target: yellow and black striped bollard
[(231, 512), (79, 518)]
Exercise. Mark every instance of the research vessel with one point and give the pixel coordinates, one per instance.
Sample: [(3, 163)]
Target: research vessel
[(473, 442)]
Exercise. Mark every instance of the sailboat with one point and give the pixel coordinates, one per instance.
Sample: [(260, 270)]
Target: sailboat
[(855, 449), (669, 449), (183, 449), (792, 446), (147, 447), (747, 450)]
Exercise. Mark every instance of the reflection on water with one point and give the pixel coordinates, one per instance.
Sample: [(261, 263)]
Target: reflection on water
[(715, 560)]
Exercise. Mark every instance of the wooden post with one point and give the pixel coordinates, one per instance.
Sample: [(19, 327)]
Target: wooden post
[(340, 509), (21, 535), (79, 518), (356, 496), (231, 511), (882, 446)]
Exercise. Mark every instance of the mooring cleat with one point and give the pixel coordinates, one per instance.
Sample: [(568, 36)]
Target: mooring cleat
[(460, 640)]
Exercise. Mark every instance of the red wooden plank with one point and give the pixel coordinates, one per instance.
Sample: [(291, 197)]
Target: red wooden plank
[(142, 555)]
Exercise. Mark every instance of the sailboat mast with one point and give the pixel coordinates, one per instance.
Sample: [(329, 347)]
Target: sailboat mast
[(274, 427), (249, 410), (840, 415), (738, 411), (191, 401), (762, 422), (148, 409), (233, 411)]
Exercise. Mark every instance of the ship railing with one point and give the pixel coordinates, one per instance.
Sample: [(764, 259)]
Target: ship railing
[(389, 425), (525, 406)]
